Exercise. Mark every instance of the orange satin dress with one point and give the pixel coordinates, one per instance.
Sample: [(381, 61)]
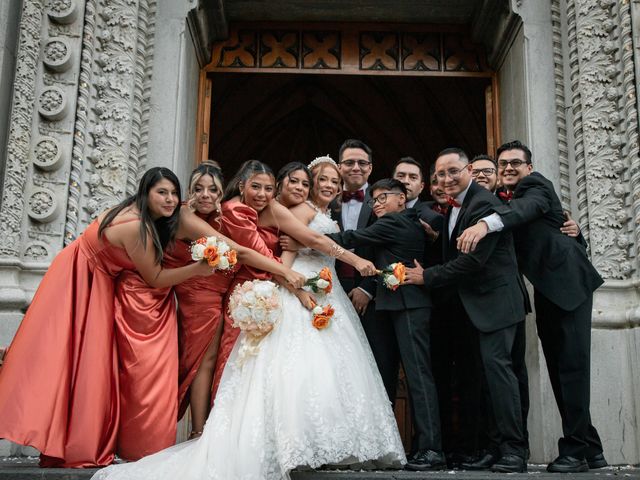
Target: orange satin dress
[(147, 342), (199, 313), (66, 388), (241, 221)]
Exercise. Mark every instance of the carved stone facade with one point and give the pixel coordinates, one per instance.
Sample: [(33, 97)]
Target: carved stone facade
[(81, 126)]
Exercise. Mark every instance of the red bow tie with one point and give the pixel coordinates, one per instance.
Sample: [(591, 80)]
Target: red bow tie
[(441, 209), (452, 201), (358, 196), (506, 195)]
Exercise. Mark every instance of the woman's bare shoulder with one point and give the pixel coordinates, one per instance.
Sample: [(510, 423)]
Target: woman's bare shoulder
[(303, 212)]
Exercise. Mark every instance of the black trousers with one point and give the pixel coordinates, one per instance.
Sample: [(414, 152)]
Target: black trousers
[(566, 342), (457, 372), (404, 335), (503, 390), (489, 434)]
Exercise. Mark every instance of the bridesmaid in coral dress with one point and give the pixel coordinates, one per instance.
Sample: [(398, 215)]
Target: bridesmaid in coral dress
[(93, 366), (255, 219), (199, 303)]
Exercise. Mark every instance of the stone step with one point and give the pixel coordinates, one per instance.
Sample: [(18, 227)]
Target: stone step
[(27, 469)]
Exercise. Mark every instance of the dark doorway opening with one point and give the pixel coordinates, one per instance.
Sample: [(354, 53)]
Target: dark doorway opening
[(279, 118)]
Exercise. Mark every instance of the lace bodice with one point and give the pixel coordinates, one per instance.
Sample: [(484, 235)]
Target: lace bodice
[(311, 261)]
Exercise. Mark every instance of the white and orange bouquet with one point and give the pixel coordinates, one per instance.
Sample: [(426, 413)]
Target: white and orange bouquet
[(255, 308), (322, 316), (216, 252), (393, 275), (321, 283)]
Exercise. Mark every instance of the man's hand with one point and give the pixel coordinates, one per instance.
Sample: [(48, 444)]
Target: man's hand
[(359, 299), (414, 276), (570, 227), (288, 244), (468, 240), (432, 235)]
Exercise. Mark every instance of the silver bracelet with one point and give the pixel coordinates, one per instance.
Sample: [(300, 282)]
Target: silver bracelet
[(336, 250)]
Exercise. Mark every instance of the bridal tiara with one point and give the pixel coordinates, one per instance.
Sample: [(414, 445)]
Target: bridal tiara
[(324, 159)]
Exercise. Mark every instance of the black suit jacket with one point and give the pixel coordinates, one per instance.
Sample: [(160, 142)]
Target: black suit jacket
[(486, 279), (395, 237), (365, 219), (556, 264), (428, 215)]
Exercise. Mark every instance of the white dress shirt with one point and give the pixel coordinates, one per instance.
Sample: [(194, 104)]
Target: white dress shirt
[(412, 203), (351, 212), (456, 210)]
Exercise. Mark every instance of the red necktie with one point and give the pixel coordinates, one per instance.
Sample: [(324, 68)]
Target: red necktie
[(506, 195), (441, 209), (358, 196), (452, 201)]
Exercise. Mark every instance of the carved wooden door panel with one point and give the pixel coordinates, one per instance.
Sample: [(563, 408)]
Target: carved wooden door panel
[(343, 49)]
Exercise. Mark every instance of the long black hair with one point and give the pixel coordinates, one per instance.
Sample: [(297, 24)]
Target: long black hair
[(247, 170), (164, 229), (287, 170)]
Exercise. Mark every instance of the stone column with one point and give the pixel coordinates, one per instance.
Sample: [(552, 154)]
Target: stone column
[(596, 78)]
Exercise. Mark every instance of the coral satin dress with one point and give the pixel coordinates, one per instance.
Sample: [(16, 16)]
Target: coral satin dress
[(199, 313), (92, 369), (241, 222)]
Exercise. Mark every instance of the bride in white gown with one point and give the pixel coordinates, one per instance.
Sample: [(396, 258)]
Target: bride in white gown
[(308, 398)]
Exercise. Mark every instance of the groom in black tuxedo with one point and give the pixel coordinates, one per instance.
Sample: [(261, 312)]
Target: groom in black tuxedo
[(564, 281), (402, 315), (351, 211), (484, 289)]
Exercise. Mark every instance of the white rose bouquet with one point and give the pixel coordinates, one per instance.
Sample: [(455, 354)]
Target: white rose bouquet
[(255, 308)]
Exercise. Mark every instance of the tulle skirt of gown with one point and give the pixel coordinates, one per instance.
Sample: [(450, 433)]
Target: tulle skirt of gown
[(308, 398)]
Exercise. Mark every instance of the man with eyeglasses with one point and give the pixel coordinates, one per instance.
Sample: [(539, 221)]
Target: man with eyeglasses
[(485, 172), (352, 212), (564, 281), (483, 290), (402, 330)]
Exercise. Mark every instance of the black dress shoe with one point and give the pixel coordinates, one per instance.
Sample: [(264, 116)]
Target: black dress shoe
[(597, 461), (457, 459), (483, 462), (510, 463), (567, 464), (427, 460)]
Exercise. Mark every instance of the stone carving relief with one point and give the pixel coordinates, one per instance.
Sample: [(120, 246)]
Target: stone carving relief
[(116, 58), (602, 85), (88, 100), (18, 145)]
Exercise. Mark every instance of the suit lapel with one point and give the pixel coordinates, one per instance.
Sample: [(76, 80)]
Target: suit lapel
[(365, 212), (336, 213)]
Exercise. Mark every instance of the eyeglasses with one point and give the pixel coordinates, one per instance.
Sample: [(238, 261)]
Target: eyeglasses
[(452, 172), (515, 163), (485, 171), (381, 199), (352, 163)]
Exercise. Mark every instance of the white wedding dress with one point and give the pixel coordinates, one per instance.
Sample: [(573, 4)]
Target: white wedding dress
[(308, 398)]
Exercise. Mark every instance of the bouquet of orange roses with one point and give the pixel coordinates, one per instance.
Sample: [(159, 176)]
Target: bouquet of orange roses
[(393, 275), (216, 252), (322, 316), (321, 283)]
